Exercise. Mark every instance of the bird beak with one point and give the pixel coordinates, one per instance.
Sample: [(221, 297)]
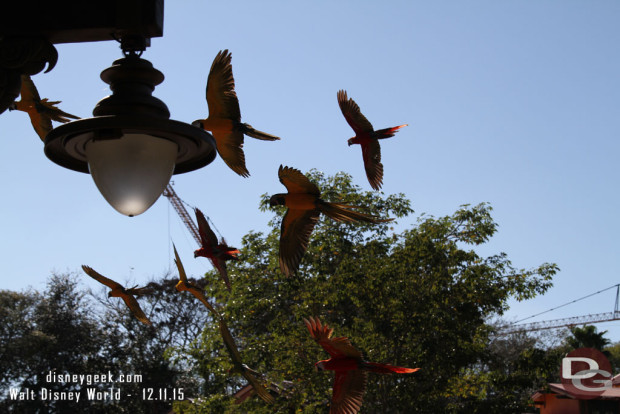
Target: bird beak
[(197, 124)]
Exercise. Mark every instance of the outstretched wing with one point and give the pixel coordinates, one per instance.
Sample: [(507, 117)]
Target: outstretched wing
[(296, 182), (348, 391), (258, 387), (352, 114), (220, 265), (221, 97), (198, 294), (230, 147), (229, 342), (208, 238), (31, 103), (135, 308), (371, 152), (336, 347), (296, 228), (101, 279), (180, 268), (29, 92)]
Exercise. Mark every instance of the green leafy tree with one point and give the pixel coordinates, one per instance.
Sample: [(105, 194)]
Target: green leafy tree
[(587, 337), (50, 333), (418, 298), (62, 330)]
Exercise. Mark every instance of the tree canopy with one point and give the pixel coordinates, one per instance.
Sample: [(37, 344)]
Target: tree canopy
[(418, 298), (421, 297)]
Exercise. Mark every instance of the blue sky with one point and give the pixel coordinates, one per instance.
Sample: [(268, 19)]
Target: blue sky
[(512, 103)]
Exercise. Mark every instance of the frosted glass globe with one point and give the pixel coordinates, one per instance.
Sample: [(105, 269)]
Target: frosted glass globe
[(133, 171)]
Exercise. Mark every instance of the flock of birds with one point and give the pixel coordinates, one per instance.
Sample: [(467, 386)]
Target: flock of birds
[(304, 207)]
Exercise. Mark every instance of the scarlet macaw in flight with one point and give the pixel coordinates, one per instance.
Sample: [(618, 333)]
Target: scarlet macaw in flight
[(217, 252), (367, 137), (224, 120), (41, 111), (119, 291), (350, 368), (304, 208)]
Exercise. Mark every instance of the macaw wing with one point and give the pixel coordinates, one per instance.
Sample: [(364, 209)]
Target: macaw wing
[(221, 97), (135, 308), (230, 147), (296, 228), (28, 91), (101, 279), (258, 387), (348, 392), (352, 114), (229, 342), (296, 182), (139, 291), (335, 347), (208, 238), (180, 268), (371, 152), (201, 297), (41, 123), (220, 265)]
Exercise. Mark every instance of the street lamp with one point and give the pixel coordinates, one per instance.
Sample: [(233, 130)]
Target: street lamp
[(130, 147)]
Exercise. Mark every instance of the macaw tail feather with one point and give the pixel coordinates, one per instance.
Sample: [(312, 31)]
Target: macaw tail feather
[(388, 132), (388, 369), (254, 133), (343, 212)]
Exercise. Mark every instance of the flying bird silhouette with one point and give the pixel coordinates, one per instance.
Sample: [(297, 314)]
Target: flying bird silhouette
[(215, 251), (41, 111), (367, 137), (186, 285), (119, 291), (224, 120), (350, 368), (238, 365), (304, 208)]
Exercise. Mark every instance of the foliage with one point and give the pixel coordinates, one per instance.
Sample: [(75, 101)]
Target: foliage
[(419, 298), (63, 331)]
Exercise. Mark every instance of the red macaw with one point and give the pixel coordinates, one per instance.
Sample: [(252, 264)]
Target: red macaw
[(367, 137), (215, 251), (41, 111), (119, 291), (224, 120), (304, 208), (351, 370)]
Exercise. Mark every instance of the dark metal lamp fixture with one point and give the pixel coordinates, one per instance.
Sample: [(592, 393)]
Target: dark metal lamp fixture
[(130, 146)]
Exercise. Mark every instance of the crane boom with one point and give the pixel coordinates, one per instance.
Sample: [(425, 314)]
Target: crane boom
[(182, 212), (567, 322), (560, 323)]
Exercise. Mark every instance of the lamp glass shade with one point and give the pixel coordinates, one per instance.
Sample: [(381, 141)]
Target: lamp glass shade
[(131, 172)]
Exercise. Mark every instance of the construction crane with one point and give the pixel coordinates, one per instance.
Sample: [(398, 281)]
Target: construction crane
[(566, 322), (177, 203)]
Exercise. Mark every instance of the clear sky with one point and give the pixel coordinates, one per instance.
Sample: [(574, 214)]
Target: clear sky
[(513, 103)]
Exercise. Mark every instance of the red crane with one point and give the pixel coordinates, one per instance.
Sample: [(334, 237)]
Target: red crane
[(177, 203)]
